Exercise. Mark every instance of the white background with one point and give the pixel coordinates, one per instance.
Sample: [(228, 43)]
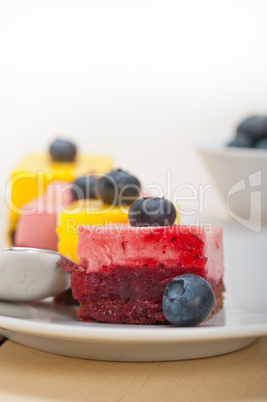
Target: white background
[(142, 80)]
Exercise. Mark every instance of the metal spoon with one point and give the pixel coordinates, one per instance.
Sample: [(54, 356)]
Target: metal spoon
[(28, 274)]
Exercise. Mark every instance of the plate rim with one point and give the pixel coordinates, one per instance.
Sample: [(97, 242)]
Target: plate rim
[(132, 333)]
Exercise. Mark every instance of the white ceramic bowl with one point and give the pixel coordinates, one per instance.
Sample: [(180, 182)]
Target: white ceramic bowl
[(241, 177)]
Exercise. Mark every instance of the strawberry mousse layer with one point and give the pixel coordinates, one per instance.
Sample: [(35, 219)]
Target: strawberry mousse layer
[(37, 222), (124, 270)]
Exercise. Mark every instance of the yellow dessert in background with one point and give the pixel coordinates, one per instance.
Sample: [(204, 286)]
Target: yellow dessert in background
[(30, 178), (85, 213)]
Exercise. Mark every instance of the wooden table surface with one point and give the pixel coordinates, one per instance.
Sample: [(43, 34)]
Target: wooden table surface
[(31, 375)]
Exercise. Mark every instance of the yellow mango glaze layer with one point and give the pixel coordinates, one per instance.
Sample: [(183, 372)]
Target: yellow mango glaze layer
[(31, 177), (87, 213)]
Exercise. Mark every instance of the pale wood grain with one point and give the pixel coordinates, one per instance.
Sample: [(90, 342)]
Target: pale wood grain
[(30, 375)]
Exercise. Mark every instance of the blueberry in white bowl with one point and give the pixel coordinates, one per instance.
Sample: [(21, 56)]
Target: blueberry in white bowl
[(250, 133), (261, 144), (242, 140), (256, 126)]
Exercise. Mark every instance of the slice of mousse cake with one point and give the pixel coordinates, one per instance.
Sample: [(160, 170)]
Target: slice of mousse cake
[(124, 269)]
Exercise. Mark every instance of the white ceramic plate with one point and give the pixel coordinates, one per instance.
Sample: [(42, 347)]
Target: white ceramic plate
[(55, 329)]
